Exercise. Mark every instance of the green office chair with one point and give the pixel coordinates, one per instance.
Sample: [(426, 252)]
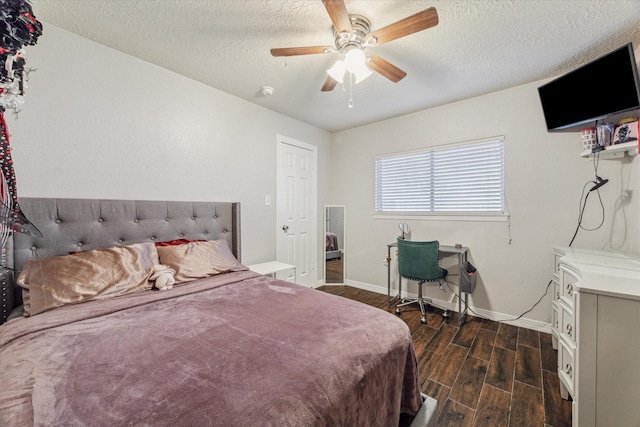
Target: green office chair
[(419, 261)]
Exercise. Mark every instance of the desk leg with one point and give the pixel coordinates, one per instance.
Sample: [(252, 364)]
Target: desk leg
[(461, 315)]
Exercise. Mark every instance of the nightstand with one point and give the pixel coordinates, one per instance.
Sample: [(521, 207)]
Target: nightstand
[(272, 267)]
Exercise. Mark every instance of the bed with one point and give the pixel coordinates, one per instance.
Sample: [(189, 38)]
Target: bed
[(230, 349)]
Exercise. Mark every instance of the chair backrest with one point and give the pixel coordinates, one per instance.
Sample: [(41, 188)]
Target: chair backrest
[(419, 260)]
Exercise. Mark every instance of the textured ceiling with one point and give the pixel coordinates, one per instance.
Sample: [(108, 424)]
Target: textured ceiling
[(478, 47)]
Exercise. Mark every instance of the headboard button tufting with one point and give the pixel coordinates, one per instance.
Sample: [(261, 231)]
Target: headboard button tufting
[(81, 216)]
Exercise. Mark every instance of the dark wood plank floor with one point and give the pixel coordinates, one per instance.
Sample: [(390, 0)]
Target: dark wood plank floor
[(484, 373)]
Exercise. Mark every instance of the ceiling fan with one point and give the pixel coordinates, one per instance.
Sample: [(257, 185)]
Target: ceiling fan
[(353, 37)]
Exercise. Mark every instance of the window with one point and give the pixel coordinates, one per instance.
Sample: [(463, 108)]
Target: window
[(464, 179)]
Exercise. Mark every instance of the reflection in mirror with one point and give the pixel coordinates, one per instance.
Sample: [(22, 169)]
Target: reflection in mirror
[(334, 221)]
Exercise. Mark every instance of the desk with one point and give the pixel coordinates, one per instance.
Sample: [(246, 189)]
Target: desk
[(445, 250), (272, 267)]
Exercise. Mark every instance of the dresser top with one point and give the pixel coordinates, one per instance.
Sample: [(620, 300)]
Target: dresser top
[(603, 272)]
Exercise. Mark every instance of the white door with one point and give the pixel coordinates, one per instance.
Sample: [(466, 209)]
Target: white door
[(296, 218)]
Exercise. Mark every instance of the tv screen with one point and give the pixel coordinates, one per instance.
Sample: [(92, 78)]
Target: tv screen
[(606, 86)]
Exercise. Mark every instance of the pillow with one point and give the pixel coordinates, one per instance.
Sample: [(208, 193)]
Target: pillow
[(177, 242), (196, 260), (91, 275)]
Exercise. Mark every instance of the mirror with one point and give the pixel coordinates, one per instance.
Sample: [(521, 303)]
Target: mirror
[(334, 231)]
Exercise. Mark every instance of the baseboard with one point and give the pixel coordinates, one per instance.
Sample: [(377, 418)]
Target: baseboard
[(321, 283), (453, 306)]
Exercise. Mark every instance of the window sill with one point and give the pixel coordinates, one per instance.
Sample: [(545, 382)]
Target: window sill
[(490, 217)]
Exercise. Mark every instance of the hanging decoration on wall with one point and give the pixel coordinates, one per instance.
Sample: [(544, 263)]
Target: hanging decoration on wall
[(11, 217), (18, 28)]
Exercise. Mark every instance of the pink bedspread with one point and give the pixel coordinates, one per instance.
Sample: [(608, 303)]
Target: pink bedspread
[(236, 349)]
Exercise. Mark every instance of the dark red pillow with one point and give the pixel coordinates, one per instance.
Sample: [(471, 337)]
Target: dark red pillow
[(177, 242)]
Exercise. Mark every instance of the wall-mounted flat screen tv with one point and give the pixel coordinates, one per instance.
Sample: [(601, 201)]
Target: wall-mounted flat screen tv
[(604, 87)]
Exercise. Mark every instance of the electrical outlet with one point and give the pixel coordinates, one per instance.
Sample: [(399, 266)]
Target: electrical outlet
[(451, 297)]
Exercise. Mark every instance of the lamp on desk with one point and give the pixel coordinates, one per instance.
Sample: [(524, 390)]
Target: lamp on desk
[(404, 227)]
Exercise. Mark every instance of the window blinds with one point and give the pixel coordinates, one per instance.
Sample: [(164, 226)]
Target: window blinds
[(462, 179)]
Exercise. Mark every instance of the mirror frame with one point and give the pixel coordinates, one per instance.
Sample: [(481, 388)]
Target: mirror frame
[(344, 244)]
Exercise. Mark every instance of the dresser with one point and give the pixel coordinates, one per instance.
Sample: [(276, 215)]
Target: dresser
[(596, 330)]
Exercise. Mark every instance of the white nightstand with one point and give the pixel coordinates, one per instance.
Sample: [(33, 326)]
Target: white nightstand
[(272, 267)]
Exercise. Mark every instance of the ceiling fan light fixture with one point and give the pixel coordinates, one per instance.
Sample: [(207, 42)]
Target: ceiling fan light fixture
[(355, 62), (337, 71), (354, 59), (362, 73)]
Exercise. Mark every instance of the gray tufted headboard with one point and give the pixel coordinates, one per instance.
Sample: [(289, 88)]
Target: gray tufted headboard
[(71, 225)]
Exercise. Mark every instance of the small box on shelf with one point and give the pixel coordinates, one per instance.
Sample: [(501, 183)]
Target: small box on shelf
[(626, 131)]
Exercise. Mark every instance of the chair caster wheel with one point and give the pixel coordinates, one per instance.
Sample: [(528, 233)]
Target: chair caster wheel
[(446, 314), (423, 320), (398, 311)]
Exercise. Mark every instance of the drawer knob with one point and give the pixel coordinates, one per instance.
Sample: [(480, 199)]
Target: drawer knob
[(568, 368), (569, 329), (557, 295), (569, 289)]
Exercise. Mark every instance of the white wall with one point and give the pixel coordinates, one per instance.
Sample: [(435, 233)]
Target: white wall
[(101, 124), (98, 123), (544, 178)]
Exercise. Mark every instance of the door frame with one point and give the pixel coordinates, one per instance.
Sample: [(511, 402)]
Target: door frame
[(280, 143)]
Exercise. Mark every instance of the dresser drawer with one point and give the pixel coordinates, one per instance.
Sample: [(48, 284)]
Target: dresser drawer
[(556, 262), (556, 290), (566, 365), (567, 287), (566, 326)]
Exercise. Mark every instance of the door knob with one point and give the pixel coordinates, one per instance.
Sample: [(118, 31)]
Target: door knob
[(285, 228)]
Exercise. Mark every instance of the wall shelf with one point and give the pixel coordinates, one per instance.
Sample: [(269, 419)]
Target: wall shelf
[(617, 151)]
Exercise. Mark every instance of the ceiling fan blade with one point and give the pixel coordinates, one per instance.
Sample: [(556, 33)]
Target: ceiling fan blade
[(329, 84), (309, 50), (420, 21), (385, 68), (339, 15)]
